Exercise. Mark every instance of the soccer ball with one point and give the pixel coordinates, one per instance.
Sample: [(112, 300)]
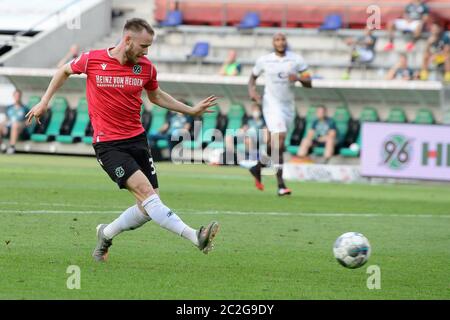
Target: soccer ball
[(352, 250)]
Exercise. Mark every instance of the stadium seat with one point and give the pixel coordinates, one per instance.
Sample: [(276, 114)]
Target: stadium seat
[(397, 115), (251, 20), (368, 114), (235, 117), (57, 115), (294, 137), (87, 140), (88, 133), (294, 133), (159, 117), (146, 118), (209, 122), (174, 18), (341, 117), (446, 119), (79, 127), (200, 50), (32, 101), (332, 22), (424, 116), (309, 119)]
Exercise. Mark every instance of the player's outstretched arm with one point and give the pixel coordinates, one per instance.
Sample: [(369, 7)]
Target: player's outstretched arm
[(57, 81), (165, 100)]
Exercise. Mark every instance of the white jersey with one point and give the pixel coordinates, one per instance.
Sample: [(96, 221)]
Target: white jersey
[(277, 70), (278, 100)]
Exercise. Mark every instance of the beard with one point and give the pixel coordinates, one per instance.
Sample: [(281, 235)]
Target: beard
[(281, 50), (131, 57)]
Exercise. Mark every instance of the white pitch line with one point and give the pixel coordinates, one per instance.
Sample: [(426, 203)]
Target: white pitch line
[(58, 211), (242, 213), (320, 214), (208, 212), (50, 204)]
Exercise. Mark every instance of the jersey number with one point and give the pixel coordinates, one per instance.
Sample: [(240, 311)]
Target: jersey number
[(152, 165)]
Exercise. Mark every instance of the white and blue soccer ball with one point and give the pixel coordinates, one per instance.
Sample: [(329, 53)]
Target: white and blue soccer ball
[(352, 250)]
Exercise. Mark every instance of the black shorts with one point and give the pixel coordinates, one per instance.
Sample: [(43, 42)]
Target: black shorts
[(121, 158)]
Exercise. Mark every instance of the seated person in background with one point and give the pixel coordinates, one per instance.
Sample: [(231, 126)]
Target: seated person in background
[(252, 130), (321, 134), (363, 50), (15, 121), (231, 67), (176, 123), (401, 71), (437, 51), (414, 18), (73, 53)]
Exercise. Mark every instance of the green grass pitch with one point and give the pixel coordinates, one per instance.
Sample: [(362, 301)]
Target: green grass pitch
[(268, 247)]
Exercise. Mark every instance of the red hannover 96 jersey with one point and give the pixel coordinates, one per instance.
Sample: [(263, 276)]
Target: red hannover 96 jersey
[(113, 93)]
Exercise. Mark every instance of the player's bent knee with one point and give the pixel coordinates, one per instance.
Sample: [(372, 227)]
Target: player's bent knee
[(144, 190), (139, 185)]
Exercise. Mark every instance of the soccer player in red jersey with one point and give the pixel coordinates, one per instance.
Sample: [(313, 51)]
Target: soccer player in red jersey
[(115, 80)]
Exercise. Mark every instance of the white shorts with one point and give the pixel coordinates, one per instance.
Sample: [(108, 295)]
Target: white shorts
[(405, 25), (279, 117)]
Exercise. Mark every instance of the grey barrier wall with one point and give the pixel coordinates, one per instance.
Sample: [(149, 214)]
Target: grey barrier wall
[(48, 47)]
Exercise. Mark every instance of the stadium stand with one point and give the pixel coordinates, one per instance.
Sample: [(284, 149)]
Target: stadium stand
[(294, 13), (325, 52)]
